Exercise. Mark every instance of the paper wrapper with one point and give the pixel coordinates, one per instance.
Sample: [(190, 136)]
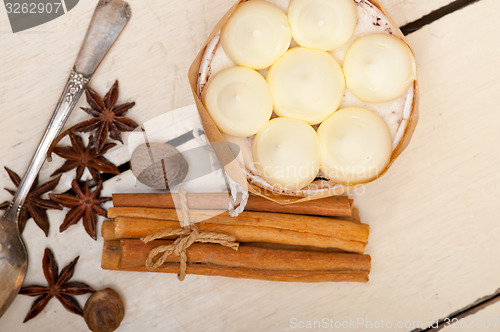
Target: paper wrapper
[(233, 168)]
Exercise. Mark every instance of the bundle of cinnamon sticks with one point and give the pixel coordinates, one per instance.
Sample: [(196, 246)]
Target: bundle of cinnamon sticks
[(314, 241)]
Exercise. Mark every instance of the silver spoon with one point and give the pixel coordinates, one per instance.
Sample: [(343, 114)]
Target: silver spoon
[(110, 17)]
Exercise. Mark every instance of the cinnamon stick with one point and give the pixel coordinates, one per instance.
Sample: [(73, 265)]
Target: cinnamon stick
[(247, 262), (336, 228), (135, 228), (335, 206), (355, 216)]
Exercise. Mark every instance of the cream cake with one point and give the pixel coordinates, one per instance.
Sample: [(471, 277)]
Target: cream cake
[(393, 110)]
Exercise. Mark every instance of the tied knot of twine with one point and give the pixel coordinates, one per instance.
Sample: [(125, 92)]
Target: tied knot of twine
[(186, 236)]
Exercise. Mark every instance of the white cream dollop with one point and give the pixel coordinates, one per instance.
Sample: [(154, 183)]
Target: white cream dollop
[(256, 35), (286, 153), (322, 24), (355, 146), (379, 68), (238, 100), (306, 84)]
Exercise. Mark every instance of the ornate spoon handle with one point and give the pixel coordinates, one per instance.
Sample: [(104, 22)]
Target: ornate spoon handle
[(110, 17)]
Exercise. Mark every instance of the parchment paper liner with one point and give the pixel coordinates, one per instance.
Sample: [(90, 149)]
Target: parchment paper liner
[(233, 169)]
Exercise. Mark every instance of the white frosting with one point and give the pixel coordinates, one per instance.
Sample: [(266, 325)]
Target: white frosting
[(355, 146), (282, 4), (256, 35), (322, 24), (306, 84), (286, 153), (239, 101), (379, 68), (370, 20), (395, 113)]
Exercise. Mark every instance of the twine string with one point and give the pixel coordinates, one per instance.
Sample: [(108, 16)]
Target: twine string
[(233, 187), (185, 237)]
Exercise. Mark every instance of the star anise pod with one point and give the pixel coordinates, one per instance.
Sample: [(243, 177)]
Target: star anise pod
[(34, 206), (80, 157), (84, 205), (58, 287), (108, 117)]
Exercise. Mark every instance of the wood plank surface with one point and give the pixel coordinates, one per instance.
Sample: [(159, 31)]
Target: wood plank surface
[(487, 319), (434, 241), (406, 11)]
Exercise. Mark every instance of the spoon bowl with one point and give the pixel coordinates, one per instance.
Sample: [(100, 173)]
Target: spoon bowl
[(13, 260)]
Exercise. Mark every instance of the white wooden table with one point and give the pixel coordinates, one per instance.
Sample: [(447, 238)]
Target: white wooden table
[(435, 239)]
